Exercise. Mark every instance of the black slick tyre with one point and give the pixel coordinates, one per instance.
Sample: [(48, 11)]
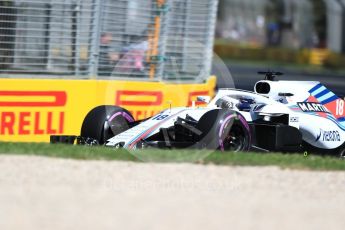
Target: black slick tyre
[(104, 122), (225, 130)]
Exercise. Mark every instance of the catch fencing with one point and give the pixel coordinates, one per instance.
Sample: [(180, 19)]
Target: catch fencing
[(148, 39)]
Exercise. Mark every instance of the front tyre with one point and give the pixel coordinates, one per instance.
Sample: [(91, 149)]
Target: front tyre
[(225, 130), (104, 122), (237, 139)]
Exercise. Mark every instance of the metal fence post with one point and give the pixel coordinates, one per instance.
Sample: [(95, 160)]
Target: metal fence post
[(47, 36), (76, 32), (185, 41), (95, 36), (163, 40), (210, 36)]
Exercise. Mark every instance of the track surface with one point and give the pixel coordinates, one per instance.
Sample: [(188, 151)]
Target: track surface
[(46, 193)]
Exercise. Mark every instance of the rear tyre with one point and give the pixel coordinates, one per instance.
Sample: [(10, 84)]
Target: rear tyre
[(224, 130), (104, 122)]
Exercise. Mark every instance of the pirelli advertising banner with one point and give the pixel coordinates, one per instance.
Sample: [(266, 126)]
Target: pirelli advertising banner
[(33, 109)]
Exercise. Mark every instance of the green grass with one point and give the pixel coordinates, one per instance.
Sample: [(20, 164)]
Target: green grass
[(292, 161), (64, 151)]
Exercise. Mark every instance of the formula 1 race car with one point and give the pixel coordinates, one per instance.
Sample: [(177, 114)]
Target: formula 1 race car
[(285, 116)]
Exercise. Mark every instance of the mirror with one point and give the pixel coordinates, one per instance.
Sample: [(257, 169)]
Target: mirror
[(203, 99)]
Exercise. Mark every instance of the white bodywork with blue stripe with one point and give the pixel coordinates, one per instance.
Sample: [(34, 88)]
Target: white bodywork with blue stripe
[(313, 109)]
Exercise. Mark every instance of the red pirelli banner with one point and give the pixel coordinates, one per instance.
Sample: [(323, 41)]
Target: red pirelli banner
[(33, 109)]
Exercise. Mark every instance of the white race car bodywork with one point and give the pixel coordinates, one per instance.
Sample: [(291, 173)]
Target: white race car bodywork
[(146, 129), (313, 109), (309, 107)]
